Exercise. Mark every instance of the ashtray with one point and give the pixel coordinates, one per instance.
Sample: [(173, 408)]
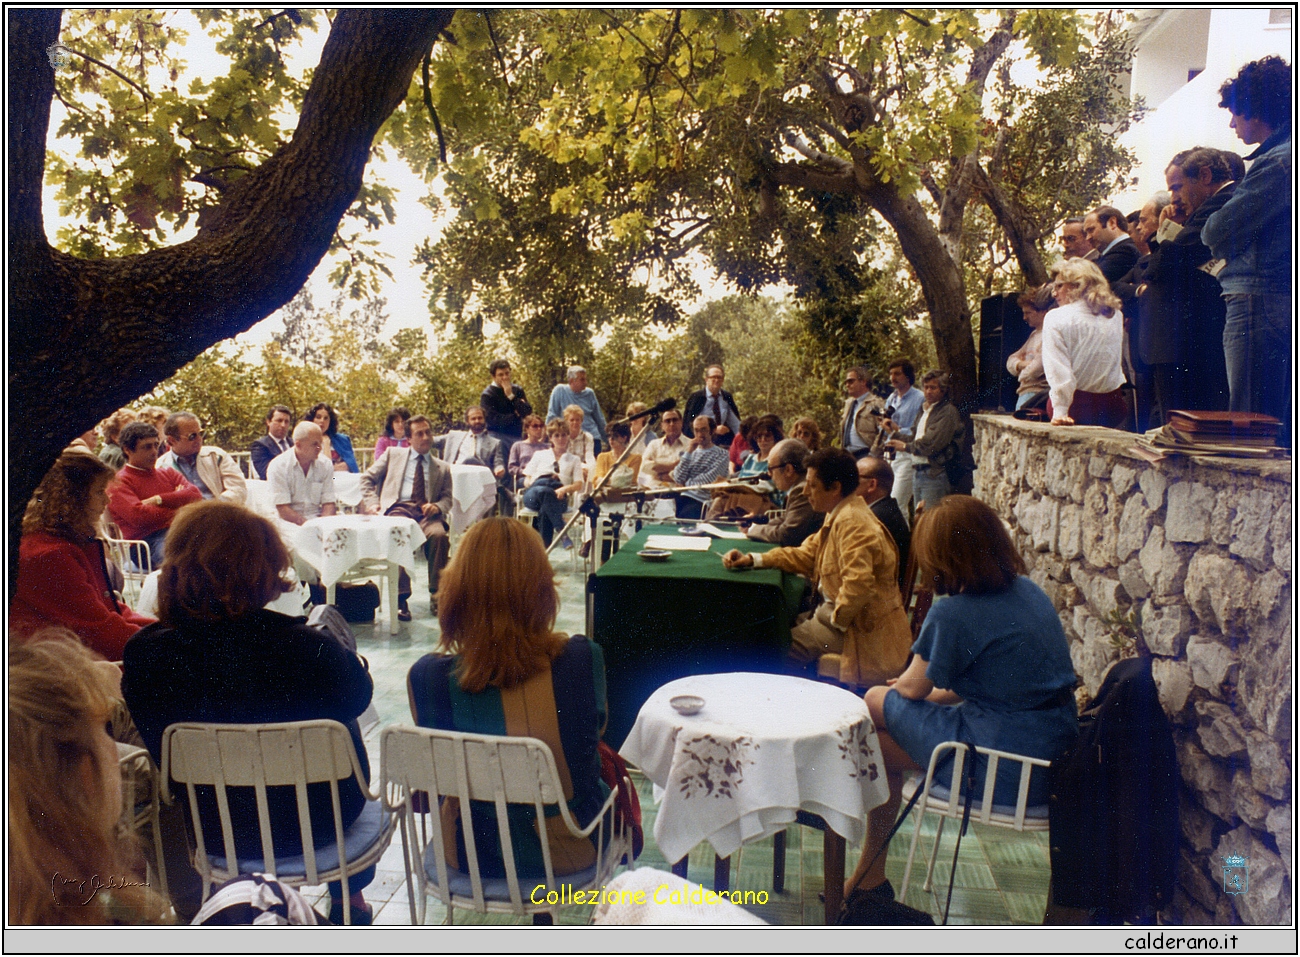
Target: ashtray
[(686, 704), (691, 530), (655, 554)]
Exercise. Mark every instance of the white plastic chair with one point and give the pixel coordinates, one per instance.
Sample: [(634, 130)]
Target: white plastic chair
[(529, 517), (260, 756), (949, 802), (140, 801), (499, 771), (134, 559)]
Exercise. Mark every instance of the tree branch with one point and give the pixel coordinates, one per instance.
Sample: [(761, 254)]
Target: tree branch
[(121, 76)]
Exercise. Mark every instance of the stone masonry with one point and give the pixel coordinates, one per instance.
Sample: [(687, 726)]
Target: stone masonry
[(1201, 551)]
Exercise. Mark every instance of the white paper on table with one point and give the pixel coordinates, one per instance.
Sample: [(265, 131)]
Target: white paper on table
[(679, 544), (716, 532)]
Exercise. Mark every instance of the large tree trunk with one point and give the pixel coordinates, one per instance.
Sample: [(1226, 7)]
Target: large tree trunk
[(87, 336)]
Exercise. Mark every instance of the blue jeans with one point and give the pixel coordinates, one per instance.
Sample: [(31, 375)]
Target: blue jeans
[(1257, 351), (156, 543), (927, 488), (540, 497)]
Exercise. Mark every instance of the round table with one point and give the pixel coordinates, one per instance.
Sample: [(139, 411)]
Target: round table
[(763, 748)]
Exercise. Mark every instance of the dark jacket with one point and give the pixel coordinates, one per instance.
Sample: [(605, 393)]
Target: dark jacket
[(891, 516), (265, 667), (1114, 803), (695, 407), (1118, 260), (796, 523), (1253, 232), (261, 452), (505, 415), (942, 442)]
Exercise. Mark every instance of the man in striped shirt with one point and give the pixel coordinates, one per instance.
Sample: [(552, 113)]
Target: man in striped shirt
[(702, 462)]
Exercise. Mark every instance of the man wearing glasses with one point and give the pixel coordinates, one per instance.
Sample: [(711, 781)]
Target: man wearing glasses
[(863, 412), (785, 464), (209, 469), (717, 403), (661, 457)]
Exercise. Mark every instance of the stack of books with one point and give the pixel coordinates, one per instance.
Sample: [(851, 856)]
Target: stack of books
[(1238, 434)]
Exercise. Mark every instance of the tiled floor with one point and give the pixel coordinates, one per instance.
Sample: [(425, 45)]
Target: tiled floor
[(1001, 876)]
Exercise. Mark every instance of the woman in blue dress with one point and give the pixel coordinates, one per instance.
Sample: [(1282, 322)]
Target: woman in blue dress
[(338, 446), (991, 667)]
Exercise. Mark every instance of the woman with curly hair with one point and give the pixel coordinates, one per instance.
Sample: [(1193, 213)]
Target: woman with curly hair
[(338, 447), (63, 573), (1083, 339), (67, 864), (807, 431)]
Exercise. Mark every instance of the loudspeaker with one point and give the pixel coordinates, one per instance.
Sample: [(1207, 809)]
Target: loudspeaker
[(1003, 330)]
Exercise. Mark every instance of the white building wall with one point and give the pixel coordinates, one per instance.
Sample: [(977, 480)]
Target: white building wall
[(1190, 115)]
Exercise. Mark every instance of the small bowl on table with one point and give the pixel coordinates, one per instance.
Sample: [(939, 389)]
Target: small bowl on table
[(686, 704), (655, 554)]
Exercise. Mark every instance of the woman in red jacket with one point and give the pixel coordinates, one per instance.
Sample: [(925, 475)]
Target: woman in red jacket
[(62, 571)]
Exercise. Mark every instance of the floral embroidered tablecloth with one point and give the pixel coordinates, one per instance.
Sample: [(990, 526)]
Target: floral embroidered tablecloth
[(333, 544), (763, 747)]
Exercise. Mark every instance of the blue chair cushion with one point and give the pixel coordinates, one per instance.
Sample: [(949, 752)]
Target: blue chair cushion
[(1032, 811), (497, 888), (360, 837)]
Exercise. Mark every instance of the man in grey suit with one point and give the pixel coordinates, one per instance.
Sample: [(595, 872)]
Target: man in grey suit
[(785, 464), (475, 447), (413, 483)]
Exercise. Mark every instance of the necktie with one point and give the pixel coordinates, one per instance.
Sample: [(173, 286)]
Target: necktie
[(418, 495), (848, 422), (717, 409)]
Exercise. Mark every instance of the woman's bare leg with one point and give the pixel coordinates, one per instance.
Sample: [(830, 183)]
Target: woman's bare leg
[(867, 875)]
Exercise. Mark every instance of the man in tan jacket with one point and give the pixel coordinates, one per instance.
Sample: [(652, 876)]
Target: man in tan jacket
[(853, 564)]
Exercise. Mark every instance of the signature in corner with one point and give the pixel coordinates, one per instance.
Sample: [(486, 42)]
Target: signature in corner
[(86, 890)]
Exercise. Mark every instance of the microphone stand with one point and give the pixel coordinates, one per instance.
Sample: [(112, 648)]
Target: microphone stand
[(589, 506)]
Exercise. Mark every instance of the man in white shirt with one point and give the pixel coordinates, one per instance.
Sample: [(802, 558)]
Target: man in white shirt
[(661, 457), (302, 481), (208, 468), (413, 483)]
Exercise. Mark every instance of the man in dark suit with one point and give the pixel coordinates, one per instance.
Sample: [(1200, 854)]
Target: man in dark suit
[(413, 483), (1184, 312), (276, 440), (875, 483), (1107, 229), (715, 402)]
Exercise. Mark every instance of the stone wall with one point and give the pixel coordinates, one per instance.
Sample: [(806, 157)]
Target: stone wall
[(1201, 551)]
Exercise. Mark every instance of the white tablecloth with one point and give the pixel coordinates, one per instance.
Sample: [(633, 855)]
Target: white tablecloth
[(289, 603), (473, 494), (335, 543), (763, 747), (347, 488)]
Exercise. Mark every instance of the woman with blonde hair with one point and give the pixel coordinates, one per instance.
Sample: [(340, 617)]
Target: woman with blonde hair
[(807, 431), (67, 864), (63, 572), (112, 427), (1083, 341), (504, 669), (218, 655)]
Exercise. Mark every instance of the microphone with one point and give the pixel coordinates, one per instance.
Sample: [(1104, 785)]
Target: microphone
[(664, 406)]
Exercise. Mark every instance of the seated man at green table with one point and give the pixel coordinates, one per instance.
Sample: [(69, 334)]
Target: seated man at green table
[(853, 564), (798, 520)]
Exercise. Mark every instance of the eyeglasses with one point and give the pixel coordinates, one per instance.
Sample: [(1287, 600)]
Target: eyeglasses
[(194, 435)]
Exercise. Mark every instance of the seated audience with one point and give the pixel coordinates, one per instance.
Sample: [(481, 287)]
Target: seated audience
[(1026, 363), (740, 445), (112, 428), (625, 475), (337, 446), (1083, 339), (301, 479), (938, 437), (503, 669), (67, 862), (701, 464), (414, 483), (581, 443), (505, 406), (807, 431), (991, 667), (208, 468), (521, 452), (144, 499), (551, 477), (765, 433), (394, 430), (876, 486), (276, 440), (799, 519), (63, 576), (855, 564), (662, 454), (472, 447), (642, 434), (217, 655)]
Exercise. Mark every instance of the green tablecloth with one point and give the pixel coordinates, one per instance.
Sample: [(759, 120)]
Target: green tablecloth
[(659, 621)]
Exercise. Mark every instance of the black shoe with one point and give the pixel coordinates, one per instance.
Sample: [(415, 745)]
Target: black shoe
[(403, 614), (361, 916), (433, 605)]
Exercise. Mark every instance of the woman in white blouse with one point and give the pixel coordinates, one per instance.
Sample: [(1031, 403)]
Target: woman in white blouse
[(1083, 339)]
